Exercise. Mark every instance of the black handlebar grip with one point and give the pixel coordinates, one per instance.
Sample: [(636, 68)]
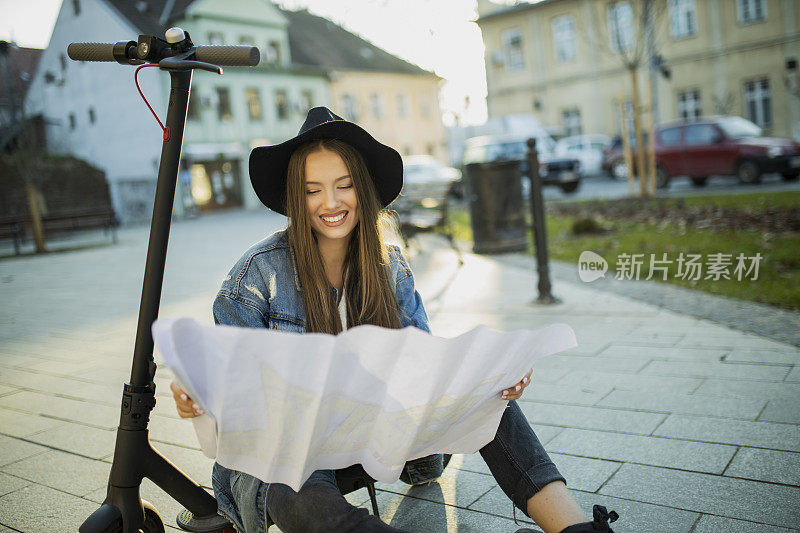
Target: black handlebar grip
[(91, 51), (244, 56)]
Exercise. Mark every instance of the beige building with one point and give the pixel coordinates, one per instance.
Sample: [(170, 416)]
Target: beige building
[(560, 60), (396, 101)]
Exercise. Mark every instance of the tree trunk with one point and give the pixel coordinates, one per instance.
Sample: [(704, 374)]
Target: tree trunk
[(626, 145), (641, 169), (36, 218), (651, 140)]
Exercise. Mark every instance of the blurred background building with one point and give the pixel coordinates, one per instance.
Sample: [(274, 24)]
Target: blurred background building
[(93, 110), (560, 59)]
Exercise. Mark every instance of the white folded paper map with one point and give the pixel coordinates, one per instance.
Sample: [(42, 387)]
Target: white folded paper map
[(286, 404)]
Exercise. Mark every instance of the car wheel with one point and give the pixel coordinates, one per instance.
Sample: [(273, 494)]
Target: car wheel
[(700, 182), (570, 187), (662, 177), (619, 170), (790, 176), (748, 172)]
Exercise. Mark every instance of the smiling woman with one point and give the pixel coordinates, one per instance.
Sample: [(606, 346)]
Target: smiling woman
[(331, 270)]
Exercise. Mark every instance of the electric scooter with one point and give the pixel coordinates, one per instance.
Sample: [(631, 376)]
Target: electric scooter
[(134, 457)]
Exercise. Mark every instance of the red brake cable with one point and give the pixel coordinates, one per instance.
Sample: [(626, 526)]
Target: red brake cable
[(136, 79)]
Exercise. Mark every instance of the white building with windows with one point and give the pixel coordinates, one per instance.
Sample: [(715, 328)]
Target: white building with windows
[(561, 60), (94, 111)]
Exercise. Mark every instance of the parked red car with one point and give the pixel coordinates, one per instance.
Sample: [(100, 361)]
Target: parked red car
[(723, 145)]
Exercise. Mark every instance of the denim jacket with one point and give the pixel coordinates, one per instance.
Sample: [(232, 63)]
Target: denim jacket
[(263, 290)]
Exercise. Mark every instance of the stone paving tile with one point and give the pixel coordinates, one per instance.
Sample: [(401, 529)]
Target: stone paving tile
[(753, 355), (19, 424), (716, 524), (750, 389), (635, 517), (63, 408), (766, 465), (638, 382), (727, 431), (423, 516), (619, 364), (687, 455), (77, 438), (173, 431), (582, 473), (10, 483), (591, 417), (781, 411), (13, 450), (746, 341), (39, 508), (454, 487), (747, 408), (652, 341), (794, 375), (54, 385), (549, 392), (719, 495), (717, 370), (654, 352), (57, 470)]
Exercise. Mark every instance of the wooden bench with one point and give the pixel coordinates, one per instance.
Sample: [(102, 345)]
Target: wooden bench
[(17, 227), (13, 227)]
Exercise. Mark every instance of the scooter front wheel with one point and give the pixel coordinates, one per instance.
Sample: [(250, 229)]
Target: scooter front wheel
[(152, 521)]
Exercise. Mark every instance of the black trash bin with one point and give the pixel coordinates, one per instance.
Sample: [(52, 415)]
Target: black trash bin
[(496, 207)]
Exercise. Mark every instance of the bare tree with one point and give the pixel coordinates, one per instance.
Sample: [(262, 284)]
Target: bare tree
[(629, 24)]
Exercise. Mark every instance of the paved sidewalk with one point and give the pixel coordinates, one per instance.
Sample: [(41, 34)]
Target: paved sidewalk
[(678, 423)]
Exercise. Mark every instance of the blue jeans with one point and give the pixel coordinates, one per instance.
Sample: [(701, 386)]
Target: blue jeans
[(516, 458)]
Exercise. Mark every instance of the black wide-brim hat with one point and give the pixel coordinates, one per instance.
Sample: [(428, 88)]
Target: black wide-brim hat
[(268, 164)]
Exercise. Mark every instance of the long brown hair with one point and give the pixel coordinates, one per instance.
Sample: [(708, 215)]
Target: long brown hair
[(369, 295)]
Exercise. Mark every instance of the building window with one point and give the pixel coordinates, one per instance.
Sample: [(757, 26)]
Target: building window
[(751, 10), (306, 100), (272, 53), (215, 38), (512, 47), (402, 105), (224, 104), (282, 104), (758, 102), (253, 104), (91, 115), (76, 7), (689, 107), (349, 107), (247, 40), (564, 38), (425, 109), (376, 103), (430, 149), (571, 119), (193, 111), (72, 121), (682, 18), (620, 26)]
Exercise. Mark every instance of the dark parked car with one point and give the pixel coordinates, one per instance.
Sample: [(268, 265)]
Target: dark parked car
[(724, 145), (560, 171)]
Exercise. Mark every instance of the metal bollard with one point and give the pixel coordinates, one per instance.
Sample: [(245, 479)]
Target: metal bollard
[(539, 232)]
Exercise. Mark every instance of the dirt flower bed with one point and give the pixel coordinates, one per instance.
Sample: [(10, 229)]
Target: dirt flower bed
[(765, 219)]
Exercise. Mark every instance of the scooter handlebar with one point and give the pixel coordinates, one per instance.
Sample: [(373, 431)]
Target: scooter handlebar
[(243, 56), (91, 51)]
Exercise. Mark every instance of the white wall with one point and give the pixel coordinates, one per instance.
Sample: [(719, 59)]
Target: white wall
[(125, 140)]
